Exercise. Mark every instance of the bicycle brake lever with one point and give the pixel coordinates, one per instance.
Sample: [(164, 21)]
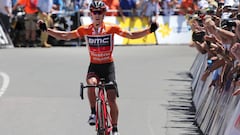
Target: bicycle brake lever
[(81, 91)]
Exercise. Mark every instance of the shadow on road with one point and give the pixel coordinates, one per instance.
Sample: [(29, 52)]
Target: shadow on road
[(181, 110)]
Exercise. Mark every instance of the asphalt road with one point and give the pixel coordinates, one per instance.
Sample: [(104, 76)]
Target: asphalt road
[(39, 91)]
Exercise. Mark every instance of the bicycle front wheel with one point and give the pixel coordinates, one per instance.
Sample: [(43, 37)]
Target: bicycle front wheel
[(101, 119)]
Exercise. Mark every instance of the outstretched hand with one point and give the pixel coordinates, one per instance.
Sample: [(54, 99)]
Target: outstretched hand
[(153, 27), (42, 25)]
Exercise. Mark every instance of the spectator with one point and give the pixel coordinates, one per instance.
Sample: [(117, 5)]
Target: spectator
[(223, 59), (235, 50), (213, 4), (78, 4), (231, 3), (45, 7), (127, 8), (202, 4), (169, 6), (14, 2), (30, 8), (139, 6), (113, 6), (188, 7), (150, 10), (57, 5), (83, 6), (6, 13), (223, 38), (68, 5)]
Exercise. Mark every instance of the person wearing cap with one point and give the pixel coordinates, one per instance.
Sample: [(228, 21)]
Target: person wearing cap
[(100, 41), (6, 13)]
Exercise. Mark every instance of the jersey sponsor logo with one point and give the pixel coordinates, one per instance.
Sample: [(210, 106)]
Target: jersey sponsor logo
[(101, 59), (100, 56), (98, 41), (106, 54), (100, 47)]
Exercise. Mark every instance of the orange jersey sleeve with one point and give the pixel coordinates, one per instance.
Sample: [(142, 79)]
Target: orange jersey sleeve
[(113, 28)]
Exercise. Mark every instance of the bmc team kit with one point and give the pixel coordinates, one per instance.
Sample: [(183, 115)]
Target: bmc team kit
[(103, 118)]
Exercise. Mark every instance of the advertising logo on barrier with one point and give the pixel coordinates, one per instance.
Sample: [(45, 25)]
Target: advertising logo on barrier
[(133, 24), (5, 41), (165, 30), (173, 30)]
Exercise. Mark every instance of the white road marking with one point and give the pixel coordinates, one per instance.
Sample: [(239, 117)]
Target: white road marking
[(6, 81)]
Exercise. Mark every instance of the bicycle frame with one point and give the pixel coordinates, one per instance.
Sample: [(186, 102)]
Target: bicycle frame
[(103, 118)]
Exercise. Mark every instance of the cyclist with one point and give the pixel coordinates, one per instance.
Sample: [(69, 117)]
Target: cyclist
[(99, 38)]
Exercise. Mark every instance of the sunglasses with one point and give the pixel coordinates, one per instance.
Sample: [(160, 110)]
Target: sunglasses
[(99, 12)]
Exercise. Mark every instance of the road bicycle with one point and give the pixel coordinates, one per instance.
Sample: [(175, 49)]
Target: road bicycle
[(103, 118)]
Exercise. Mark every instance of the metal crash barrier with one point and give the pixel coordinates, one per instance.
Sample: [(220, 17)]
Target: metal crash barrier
[(5, 40), (217, 110)]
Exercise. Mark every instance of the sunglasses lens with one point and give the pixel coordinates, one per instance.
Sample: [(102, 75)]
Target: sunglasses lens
[(97, 12)]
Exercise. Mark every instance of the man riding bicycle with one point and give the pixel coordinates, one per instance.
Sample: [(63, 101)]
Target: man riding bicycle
[(99, 38)]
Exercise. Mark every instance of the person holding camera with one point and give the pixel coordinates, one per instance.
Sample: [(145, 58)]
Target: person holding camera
[(30, 8), (223, 39)]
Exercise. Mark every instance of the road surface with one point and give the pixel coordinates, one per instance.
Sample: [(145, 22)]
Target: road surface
[(39, 91)]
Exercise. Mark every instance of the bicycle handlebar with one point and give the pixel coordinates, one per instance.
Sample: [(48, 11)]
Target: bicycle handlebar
[(100, 86)]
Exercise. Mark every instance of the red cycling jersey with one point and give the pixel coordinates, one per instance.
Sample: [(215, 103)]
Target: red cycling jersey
[(100, 43)]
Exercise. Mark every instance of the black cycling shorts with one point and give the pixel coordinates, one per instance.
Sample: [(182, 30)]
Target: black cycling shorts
[(106, 71)]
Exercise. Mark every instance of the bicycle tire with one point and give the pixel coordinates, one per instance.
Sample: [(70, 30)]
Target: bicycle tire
[(101, 119)]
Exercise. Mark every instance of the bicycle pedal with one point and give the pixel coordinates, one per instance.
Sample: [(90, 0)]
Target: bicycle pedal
[(109, 129)]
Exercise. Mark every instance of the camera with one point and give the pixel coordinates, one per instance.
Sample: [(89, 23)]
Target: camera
[(228, 23), (198, 36), (210, 12), (231, 23)]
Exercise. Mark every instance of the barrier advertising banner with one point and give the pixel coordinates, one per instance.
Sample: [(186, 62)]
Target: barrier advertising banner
[(5, 41), (133, 24), (217, 110), (130, 24), (233, 127), (172, 30)]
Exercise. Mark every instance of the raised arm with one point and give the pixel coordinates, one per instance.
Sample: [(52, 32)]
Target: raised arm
[(138, 34), (61, 35)]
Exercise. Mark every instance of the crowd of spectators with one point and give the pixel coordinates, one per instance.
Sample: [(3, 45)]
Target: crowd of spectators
[(216, 33), (35, 9)]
